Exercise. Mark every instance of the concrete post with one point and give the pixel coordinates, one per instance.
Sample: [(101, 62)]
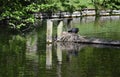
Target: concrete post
[(69, 22), (49, 31), (59, 30)]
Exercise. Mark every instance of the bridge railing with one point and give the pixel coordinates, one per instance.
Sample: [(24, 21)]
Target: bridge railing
[(85, 12)]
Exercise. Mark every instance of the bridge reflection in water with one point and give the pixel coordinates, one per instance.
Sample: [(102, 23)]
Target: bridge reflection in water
[(71, 49)]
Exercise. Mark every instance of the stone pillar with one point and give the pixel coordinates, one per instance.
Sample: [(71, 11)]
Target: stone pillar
[(48, 56), (69, 22), (49, 31), (59, 30)]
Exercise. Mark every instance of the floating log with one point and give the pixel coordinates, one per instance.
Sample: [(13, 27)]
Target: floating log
[(73, 37)]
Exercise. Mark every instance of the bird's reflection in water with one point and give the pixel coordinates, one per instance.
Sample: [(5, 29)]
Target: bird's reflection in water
[(71, 49)]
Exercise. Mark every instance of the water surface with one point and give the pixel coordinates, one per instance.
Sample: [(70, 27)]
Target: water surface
[(28, 55)]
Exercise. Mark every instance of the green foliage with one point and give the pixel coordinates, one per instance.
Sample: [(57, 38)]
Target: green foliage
[(20, 13), (106, 4), (33, 8), (113, 4), (71, 5)]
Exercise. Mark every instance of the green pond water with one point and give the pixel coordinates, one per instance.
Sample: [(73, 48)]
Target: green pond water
[(28, 55)]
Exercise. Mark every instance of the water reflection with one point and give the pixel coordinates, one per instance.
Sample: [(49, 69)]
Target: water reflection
[(59, 70), (48, 56), (30, 56), (59, 53), (71, 49), (88, 60), (31, 44)]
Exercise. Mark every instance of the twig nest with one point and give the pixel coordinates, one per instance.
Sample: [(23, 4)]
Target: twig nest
[(71, 37)]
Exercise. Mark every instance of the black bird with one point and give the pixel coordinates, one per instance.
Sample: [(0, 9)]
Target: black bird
[(73, 30)]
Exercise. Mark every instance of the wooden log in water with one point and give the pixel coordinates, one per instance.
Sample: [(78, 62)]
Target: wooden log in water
[(72, 37), (99, 41)]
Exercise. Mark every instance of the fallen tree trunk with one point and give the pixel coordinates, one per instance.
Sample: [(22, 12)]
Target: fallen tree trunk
[(73, 37), (99, 41)]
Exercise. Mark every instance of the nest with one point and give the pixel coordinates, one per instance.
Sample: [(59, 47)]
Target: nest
[(71, 37)]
